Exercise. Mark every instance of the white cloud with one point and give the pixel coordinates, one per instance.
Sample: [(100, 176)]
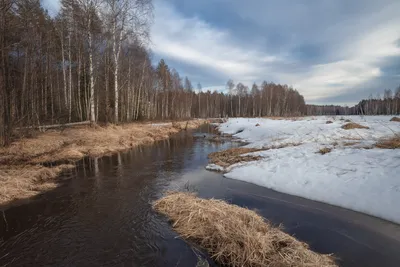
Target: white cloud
[(194, 41), (356, 46), (363, 58)]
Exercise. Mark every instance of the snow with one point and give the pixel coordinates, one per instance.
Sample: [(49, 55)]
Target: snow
[(161, 124), (214, 167), (350, 176)]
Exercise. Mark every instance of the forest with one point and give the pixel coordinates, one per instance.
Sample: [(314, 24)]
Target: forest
[(389, 104), (91, 62)]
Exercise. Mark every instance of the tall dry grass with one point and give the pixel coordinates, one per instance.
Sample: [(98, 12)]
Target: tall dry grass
[(21, 172), (235, 236), (389, 143), (24, 181)]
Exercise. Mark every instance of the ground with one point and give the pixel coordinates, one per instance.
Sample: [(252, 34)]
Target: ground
[(343, 167)]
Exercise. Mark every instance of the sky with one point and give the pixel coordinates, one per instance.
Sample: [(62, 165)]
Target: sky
[(331, 51)]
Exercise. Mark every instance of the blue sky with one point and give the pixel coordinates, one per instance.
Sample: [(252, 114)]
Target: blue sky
[(332, 51)]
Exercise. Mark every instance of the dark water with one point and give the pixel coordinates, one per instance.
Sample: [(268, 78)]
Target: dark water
[(102, 216)]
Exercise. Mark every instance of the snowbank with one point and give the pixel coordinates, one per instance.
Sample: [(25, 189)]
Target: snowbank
[(365, 180)]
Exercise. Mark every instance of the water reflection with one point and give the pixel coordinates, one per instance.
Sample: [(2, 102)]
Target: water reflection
[(102, 216)]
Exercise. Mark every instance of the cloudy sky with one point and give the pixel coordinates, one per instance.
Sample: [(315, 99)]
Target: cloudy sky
[(332, 51)]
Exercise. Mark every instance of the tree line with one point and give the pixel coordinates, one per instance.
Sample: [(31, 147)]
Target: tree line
[(91, 62), (388, 105)]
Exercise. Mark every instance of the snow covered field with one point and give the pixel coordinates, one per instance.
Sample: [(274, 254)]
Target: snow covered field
[(350, 176)]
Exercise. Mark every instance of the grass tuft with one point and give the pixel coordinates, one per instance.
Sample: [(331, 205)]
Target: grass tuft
[(389, 143), (235, 236), (235, 155), (353, 125), (350, 143), (324, 150), (329, 122), (231, 156), (395, 119)]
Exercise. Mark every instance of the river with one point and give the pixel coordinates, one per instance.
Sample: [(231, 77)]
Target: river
[(101, 214)]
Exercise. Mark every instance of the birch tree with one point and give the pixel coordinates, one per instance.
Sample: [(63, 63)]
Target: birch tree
[(128, 19)]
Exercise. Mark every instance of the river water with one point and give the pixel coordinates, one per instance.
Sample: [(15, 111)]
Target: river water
[(101, 214)]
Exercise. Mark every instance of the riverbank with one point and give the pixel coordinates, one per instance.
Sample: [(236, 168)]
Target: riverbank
[(351, 162), (30, 166), (235, 236)]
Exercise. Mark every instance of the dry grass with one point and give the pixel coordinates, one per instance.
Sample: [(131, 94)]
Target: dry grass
[(20, 168), (19, 182), (353, 125), (329, 122), (218, 120), (233, 155), (325, 150), (283, 145), (389, 143), (235, 236), (350, 143), (395, 119)]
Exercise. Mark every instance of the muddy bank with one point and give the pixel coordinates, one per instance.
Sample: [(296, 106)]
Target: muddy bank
[(29, 166)]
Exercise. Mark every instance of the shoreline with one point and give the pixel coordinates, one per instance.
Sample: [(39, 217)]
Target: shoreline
[(349, 157), (30, 166)]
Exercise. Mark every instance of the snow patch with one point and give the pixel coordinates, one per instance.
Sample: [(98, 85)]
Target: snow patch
[(364, 180), (214, 167)]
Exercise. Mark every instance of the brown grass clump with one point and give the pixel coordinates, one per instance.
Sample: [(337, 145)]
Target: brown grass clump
[(20, 168), (233, 155), (235, 236), (329, 122), (283, 145), (350, 143), (353, 125), (395, 119), (20, 182), (324, 150), (257, 124), (390, 143)]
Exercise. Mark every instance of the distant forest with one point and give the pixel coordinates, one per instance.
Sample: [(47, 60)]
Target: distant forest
[(389, 104), (92, 62)]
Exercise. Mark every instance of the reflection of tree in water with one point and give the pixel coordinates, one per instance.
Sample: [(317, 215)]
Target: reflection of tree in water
[(106, 199)]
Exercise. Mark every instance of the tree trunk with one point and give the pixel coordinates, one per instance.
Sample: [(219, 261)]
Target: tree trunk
[(91, 74)]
